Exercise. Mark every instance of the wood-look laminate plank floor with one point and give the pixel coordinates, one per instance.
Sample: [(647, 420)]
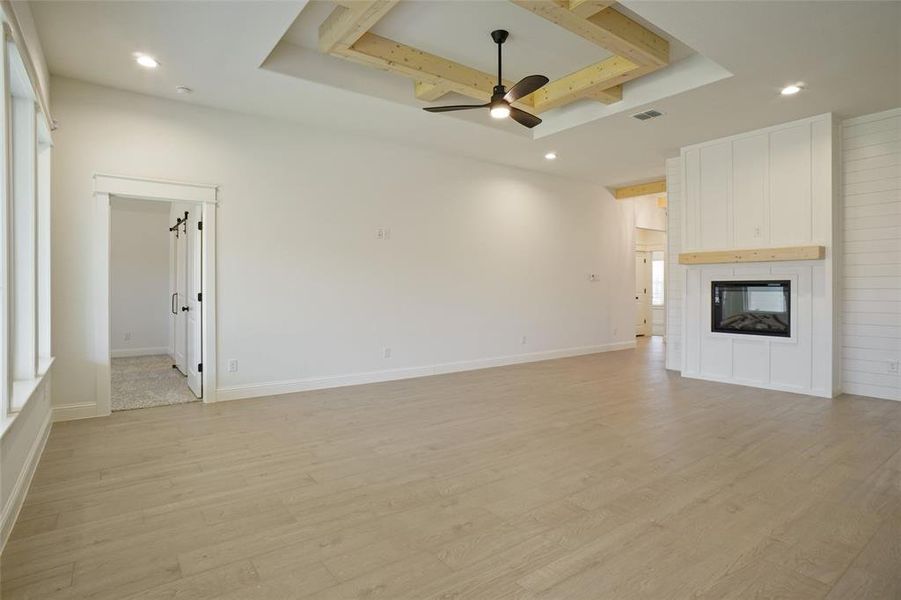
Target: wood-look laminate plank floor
[(584, 478)]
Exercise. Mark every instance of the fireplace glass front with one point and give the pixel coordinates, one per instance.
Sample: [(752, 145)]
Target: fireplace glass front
[(751, 307)]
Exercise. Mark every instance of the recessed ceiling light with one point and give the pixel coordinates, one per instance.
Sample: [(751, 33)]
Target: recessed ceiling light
[(791, 90), (147, 61), (551, 155)]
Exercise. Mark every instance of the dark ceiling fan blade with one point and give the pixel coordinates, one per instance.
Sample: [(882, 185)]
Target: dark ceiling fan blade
[(453, 108), (524, 118), (525, 86)]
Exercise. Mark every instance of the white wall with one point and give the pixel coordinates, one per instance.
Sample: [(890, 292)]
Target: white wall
[(479, 255), (766, 188), (871, 310), (648, 215), (139, 277)]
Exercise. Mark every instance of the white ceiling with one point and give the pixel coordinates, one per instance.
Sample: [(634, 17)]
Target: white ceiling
[(847, 53)]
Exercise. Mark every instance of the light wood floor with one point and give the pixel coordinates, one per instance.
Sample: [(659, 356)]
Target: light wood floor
[(585, 478)]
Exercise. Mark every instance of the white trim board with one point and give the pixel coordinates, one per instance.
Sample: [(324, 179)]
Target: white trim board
[(142, 188), (131, 352), (291, 386), (17, 497)]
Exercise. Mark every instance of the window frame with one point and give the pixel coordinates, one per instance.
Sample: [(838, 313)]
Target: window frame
[(25, 230)]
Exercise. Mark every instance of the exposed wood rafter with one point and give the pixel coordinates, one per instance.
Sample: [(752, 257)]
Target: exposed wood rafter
[(641, 189), (600, 81), (429, 92), (637, 52), (608, 28), (586, 8), (349, 21), (423, 67)]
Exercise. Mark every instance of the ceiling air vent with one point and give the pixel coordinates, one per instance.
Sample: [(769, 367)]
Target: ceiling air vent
[(648, 114)]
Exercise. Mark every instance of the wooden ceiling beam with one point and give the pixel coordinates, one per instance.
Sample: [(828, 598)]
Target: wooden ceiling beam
[(429, 92), (642, 189), (605, 96), (388, 55), (586, 8), (608, 29), (349, 21), (591, 82)]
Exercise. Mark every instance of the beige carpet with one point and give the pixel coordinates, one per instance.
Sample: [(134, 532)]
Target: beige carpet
[(146, 381)]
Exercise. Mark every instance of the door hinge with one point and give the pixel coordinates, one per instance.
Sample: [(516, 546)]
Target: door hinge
[(200, 367), (200, 296), (200, 225)]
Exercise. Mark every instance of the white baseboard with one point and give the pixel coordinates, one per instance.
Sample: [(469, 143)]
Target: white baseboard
[(74, 412), (23, 482), (129, 352), (274, 388), (819, 393)]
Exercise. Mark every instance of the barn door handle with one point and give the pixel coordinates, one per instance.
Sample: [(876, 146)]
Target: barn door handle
[(172, 304)]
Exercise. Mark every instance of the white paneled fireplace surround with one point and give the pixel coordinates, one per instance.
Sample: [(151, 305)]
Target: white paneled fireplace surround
[(764, 194)]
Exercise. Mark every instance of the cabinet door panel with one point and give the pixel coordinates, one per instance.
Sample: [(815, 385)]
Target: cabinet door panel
[(715, 196), (790, 201), (749, 191)]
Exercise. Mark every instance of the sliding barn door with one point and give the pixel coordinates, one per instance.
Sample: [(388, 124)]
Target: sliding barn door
[(179, 297), (194, 302)]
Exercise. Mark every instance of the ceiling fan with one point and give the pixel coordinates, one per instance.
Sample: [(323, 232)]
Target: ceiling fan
[(501, 100)]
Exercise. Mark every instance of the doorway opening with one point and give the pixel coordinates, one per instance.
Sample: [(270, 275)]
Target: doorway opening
[(156, 308), (650, 266), (155, 305)]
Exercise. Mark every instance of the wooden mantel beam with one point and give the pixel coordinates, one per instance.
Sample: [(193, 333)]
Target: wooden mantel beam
[(753, 255)]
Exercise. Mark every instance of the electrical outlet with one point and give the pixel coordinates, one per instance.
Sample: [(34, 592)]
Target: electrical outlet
[(233, 366), (386, 352), (593, 277), (893, 367), (383, 233), (523, 340), (128, 336)]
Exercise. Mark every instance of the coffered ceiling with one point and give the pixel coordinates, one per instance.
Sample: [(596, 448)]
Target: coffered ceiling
[(727, 63)]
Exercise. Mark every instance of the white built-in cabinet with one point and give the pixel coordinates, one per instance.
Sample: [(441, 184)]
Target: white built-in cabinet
[(758, 190)]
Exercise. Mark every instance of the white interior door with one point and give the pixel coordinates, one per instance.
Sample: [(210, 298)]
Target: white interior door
[(642, 292), (179, 300), (194, 302)]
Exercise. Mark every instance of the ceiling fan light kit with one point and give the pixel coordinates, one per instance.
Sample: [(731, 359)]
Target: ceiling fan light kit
[(500, 106)]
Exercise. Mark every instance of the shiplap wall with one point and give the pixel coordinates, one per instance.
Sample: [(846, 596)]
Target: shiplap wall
[(675, 272), (871, 341)]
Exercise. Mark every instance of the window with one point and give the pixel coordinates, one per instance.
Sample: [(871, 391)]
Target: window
[(25, 231), (657, 285)]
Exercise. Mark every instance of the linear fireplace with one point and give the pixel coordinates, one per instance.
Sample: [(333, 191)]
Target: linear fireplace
[(751, 307)]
